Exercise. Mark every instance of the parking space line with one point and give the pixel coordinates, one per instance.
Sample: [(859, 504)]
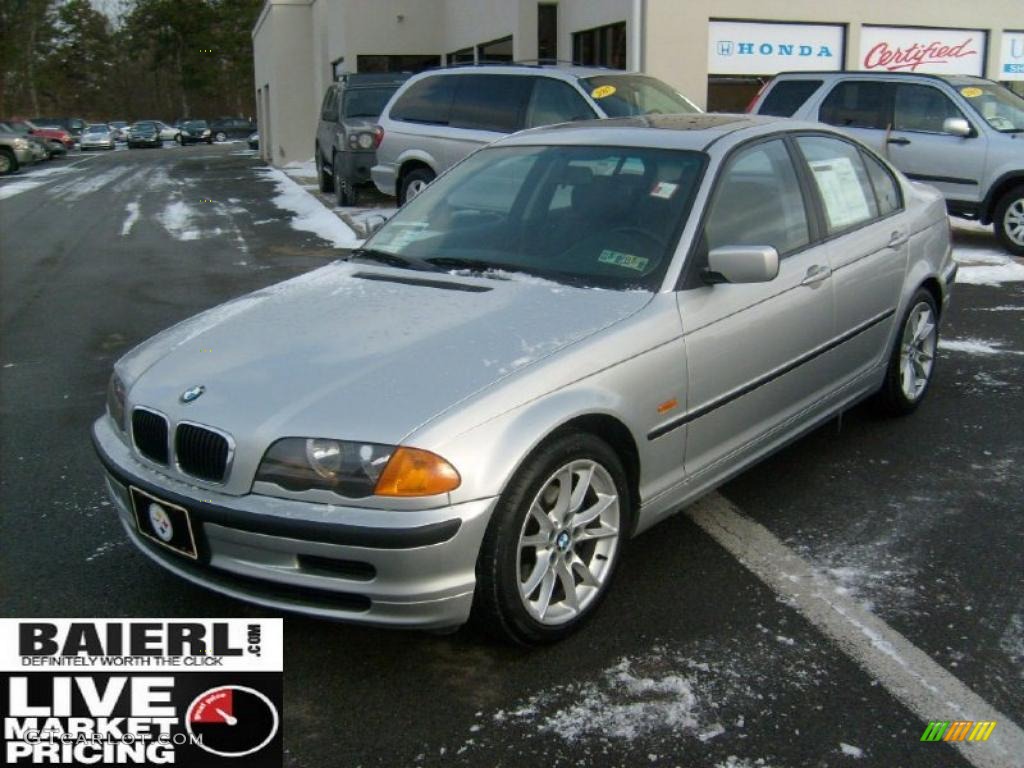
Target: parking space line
[(907, 672)]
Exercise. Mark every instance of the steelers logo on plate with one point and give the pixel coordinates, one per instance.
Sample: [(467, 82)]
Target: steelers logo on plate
[(161, 523), (232, 721)]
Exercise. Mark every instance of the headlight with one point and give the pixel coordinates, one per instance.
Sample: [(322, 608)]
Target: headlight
[(20, 143), (115, 400), (365, 140), (356, 470), (206, 132)]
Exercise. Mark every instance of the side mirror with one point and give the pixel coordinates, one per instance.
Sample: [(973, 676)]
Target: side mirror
[(374, 222), (742, 264), (956, 126)]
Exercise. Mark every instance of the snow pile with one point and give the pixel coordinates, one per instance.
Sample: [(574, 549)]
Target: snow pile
[(850, 750), (990, 271), (310, 214), (982, 260), (300, 170)]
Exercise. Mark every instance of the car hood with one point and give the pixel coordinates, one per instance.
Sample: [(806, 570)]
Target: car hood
[(361, 352)]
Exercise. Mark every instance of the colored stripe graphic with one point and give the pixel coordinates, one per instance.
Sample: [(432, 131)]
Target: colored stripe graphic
[(958, 730), (935, 731)]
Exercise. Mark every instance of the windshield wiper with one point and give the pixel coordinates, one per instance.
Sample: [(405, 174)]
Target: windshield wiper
[(393, 260)]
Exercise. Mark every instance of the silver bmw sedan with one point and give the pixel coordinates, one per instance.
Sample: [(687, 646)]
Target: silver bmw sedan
[(566, 338)]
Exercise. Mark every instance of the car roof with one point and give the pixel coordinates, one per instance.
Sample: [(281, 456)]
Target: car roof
[(684, 131), (841, 73), (566, 71)]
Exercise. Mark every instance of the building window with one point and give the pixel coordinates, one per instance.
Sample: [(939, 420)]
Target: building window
[(462, 56), (547, 32), (496, 50), (396, 63), (603, 46)]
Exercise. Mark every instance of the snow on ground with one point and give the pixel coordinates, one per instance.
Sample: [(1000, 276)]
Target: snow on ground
[(17, 187), (177, 218), (310, 214), (132, 209), (850, 750), (85, 186), (972, 346), (982, 260), (305, 169)]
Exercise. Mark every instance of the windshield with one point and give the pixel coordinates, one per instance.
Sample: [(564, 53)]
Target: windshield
[(1000, 107), (366, 102), (627, 95), (583, 215), (97, 128)]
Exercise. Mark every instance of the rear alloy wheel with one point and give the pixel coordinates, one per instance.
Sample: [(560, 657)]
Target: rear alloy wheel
[(8, 162), (912, 361), (1009, 221), (324, 180), (413, 183), (221, 136), (181, 141), (551, 548)]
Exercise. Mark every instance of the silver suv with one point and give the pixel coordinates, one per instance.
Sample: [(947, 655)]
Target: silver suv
[(439, 117), (959, 133)]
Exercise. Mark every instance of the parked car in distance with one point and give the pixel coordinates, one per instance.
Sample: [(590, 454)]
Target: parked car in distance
[(97, 136), (574, 332), (73, 125), (120, 130), (167, 132), (58, 138), (15, 151), (42, 149), (961, 134), (145, 133), (344, 146), (254, 141), (225, 128), (438, 117), (195, 131)]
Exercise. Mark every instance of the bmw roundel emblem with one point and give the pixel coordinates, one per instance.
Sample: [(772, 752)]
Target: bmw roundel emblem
[(192, 393)]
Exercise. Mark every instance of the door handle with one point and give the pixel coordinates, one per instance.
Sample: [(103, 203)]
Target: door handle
[(816, 274), (898, 140), (896, 239)]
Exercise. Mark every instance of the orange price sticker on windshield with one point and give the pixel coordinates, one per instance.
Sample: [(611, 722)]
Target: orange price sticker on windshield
[(971, 92), (603, 91)]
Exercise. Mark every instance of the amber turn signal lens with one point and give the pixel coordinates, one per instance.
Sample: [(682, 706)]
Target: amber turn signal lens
[(412, 472)]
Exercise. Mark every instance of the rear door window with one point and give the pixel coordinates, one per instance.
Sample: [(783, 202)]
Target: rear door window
[(842, 182), (490, 102), (787, 96), (857, 104), (887, 191), (427, 101), (553, 101)]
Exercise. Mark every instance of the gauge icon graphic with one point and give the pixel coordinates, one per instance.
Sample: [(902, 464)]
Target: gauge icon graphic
[(232, 721)]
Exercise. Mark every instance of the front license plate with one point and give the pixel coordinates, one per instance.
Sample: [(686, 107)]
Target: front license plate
[(166, 524)]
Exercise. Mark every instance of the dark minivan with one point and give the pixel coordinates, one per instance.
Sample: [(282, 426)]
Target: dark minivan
[(345, 135)]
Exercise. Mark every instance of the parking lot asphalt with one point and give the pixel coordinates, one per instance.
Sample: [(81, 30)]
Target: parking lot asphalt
[(695, 659)]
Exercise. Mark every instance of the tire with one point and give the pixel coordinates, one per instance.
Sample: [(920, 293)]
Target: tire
[(413, 183), (221, 136), (179, 140), (1008, 219), (521, 560), (345, 193), (8, 162), (912, 360), (325, 180)]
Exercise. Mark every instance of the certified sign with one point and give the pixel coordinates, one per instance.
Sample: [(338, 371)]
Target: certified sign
[(1011, 59), (920, 49), (750, 48)]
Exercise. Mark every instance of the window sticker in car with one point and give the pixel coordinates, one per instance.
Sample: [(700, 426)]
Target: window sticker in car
[(841, 192), (603, 91), (971, 92), (664, 190), (624, 260)]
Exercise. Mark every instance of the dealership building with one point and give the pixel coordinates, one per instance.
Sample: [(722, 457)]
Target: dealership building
[(716, 52)]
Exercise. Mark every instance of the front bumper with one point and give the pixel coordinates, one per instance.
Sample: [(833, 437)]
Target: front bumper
[(356, 165), (383, 568), (24, 156)]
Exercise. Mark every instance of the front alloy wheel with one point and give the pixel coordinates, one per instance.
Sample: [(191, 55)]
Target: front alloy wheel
[(568, 541), (1009, 221), (553, 542)]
